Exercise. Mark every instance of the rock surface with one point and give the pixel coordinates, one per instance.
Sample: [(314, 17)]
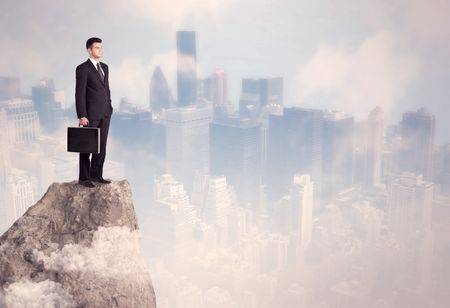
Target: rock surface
[(78, 247)]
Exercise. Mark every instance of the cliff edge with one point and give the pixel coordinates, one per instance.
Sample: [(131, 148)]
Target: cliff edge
[(76, 247)]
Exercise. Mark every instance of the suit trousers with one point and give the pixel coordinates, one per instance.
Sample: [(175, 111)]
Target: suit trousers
[(93, 168)]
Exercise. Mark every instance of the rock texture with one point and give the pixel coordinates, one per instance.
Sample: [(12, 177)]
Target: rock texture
[(83, 241)]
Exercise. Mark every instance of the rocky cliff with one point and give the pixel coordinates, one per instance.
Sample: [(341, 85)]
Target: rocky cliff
[(76, 247)]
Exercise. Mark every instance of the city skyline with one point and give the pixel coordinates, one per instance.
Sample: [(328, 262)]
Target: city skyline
[(320, 182)]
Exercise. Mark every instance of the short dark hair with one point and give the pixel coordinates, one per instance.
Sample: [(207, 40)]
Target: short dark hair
[(91, 41)]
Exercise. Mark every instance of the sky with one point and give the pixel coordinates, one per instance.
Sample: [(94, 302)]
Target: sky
[(348, 55)]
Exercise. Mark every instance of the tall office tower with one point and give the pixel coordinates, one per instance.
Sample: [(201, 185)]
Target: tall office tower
[(22, 119), (302, 204), (132, 125), (442, 169), (417, 129), (294, 146), (410, 201), (9, 88), (23, 187), (259, 93), (219, 88), (49, 110), (186, 68), (374, 148), (172, 221), (235, 148), (217, 206), (5, 171), (187, 141), (160, 97), (337, 150)]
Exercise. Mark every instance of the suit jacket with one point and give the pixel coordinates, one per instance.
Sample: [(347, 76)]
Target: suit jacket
[(92, 95)]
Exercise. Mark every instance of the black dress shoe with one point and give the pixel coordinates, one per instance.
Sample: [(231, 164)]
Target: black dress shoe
[(86, 183), (101, 180)]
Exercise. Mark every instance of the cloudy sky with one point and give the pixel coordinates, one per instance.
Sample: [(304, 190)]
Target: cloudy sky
[(350, 55)]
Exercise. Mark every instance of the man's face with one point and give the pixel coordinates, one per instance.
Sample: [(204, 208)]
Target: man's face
[(95, 51)]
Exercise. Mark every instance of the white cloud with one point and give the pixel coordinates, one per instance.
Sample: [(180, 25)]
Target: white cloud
[(378, 72), (44, 294), (171, 12), (109, 248)]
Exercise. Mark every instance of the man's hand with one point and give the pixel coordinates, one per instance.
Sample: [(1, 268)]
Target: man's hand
[(84, 122)]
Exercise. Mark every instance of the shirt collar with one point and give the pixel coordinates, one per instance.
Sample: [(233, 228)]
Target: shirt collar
[(94, 62)]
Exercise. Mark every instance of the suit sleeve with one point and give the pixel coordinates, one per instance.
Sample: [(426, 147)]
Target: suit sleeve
[(109, 90), (80, 92)]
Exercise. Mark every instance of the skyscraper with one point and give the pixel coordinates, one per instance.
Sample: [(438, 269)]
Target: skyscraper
[(187, 141), (374, 149), (410, 201), (337, 150), (9, 88), (259, 93), (417, 130), (235, 148), (22, 120), (302, 202), (172, 221), (49, 110), (294, 146), (186, 68), (160, 97)]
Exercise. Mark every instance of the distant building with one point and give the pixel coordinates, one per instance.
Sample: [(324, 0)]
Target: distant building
[(235, 151), (302, 194), (337, 153), (9, 88), (258, 93), (172, 222), (23, 120), (410, 201), (187, 141), (294, 146), (48, 108), (132, 125), (186, 68), (417, 131), (160, 97)]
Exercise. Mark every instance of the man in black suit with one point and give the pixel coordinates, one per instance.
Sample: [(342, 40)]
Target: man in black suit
[(94, 109)]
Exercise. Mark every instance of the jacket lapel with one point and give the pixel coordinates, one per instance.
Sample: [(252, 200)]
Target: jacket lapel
[(94, 69)]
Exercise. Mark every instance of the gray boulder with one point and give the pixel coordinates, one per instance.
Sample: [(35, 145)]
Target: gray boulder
[(76, 247)]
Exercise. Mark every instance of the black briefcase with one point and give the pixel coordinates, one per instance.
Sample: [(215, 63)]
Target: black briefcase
[(83, 139)]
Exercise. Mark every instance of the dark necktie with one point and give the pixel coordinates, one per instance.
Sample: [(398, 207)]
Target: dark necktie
[(102, 77)]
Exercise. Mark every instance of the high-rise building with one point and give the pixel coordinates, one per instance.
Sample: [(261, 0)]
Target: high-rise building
[(187, 141), (9, 88), (216, 209), (410, 201), (259, 93), (294, 146), (160, 97), (235, 148), (132, 125), (374, 149), (302, 202), (337, 151), (442, 169), (48, 108), (186, 68), (417, 130), (172, 222), (23, 187), (5, 171), (22, 120)]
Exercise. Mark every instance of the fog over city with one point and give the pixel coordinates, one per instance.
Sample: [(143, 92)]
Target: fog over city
[(280, 153)]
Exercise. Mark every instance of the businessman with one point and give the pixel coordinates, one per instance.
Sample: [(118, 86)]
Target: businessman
[(94, 109)]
